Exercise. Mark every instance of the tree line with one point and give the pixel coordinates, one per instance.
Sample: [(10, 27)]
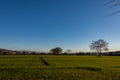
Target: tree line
[(99, 47), (4, 52)]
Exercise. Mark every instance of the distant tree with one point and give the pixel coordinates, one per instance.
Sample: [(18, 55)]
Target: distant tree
[(112, 4), (68, 51), (0, 52), (25, 52), (99, 45), (33, 53), (56, 50), (43, 53)]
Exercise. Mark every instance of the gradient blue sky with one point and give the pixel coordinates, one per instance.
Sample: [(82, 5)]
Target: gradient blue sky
[(45, 24)]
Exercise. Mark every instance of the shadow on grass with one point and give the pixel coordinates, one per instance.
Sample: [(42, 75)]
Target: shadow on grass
[(51, 68), (90, 68), (44, 62), (85, 68), (116, 66)]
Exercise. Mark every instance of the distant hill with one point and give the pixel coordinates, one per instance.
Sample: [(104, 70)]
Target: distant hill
[(1, 49), (7, 51)]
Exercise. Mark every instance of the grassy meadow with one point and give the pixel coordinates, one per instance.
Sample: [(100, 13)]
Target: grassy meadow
[(59, 67)]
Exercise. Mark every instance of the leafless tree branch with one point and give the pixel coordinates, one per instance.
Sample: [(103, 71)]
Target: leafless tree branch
[(112, 4)]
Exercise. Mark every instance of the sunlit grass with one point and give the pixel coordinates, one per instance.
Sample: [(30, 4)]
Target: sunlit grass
[(62, 67)]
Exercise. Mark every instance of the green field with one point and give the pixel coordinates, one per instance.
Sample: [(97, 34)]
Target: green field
[(62, 67)]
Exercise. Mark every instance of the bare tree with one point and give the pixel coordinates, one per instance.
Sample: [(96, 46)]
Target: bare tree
[(99, 45), (112, 4)]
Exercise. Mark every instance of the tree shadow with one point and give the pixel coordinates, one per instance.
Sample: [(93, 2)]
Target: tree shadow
[(90, 68), (44, 62), (85, 68), (55, 68), (116, 66)]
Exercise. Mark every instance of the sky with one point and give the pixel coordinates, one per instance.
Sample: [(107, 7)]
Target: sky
[(45, 24)]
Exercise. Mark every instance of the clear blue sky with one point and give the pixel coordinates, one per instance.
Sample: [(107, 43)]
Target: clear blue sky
[(45, 24)]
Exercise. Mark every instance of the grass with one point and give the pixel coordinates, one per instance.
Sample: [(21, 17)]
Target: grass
[(62, 67)]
